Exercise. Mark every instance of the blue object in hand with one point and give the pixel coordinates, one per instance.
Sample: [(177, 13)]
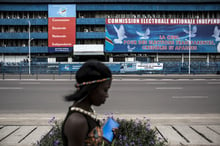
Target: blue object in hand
[(107, 129)]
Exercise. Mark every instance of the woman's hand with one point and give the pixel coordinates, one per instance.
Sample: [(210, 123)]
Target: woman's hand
[(115, 131)]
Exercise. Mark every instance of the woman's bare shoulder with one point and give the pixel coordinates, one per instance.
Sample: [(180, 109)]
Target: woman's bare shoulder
[(76, 129), (76, 119)]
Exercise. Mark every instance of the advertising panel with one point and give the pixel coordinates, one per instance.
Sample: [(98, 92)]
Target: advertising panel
[(69, 67), (141, 35), (61, 28), (123, 67), (149, 66)]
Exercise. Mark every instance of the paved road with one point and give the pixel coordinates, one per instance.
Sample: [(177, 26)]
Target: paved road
[(127, 96)]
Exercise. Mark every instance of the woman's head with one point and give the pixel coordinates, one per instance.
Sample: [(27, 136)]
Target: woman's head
[(100, 93), (92, 75), (91, 71)]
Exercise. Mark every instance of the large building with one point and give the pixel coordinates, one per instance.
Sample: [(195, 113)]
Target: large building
[(110, 30)]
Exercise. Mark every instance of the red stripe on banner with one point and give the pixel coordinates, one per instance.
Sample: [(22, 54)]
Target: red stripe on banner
[(108, 40)]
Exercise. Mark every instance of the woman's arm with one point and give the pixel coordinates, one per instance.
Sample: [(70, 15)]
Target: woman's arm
[(76, 129)]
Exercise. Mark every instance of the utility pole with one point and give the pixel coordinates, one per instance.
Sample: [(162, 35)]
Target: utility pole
[(189, 45)]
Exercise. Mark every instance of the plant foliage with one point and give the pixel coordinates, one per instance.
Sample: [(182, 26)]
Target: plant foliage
[(130, 133)]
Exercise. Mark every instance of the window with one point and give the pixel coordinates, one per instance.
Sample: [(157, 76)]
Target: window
[(61, 59)]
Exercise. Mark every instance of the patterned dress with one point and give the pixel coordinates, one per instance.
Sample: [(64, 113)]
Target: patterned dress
[(94, 138)]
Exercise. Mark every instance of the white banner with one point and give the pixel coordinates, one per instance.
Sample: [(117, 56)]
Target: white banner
[(89, 49), (149, 66)]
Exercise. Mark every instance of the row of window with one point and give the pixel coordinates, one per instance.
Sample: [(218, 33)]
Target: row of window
[(44, 28), (42, 43), (24, 28), (114, 14), (91, 41), (23, 15), (23, 43), (90, 28)]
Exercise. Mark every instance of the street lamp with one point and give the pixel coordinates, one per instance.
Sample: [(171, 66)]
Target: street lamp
[(29, 46)]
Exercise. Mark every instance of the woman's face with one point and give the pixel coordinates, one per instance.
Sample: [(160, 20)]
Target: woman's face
[(99, 95)]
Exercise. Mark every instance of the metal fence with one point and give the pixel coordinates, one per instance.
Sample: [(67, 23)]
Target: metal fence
[(168, 68)]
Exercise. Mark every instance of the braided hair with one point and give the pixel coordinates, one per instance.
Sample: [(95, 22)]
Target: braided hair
[(90, 71)]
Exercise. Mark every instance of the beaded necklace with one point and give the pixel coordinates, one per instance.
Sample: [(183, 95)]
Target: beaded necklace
[(90, 114)]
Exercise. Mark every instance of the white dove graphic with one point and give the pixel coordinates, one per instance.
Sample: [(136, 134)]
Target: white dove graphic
[(120, 33), (130, 49), (144, 35), (192, 33), (216, 34)]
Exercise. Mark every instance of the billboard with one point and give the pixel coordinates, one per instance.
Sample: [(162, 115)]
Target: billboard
[(142, 35), (61, 28)]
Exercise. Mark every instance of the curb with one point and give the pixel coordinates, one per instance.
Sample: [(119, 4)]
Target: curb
[(115, 76), (155, 119)]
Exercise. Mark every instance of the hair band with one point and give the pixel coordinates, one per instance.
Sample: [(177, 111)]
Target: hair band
[(91, 82)]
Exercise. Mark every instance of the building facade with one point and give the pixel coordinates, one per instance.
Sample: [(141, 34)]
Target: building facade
[(110, 31)]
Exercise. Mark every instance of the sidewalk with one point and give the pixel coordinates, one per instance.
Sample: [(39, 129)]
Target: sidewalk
[(189, 129)]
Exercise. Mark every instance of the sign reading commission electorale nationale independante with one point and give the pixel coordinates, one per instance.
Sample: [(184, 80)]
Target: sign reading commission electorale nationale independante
[(61, 28), (162, 35)]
